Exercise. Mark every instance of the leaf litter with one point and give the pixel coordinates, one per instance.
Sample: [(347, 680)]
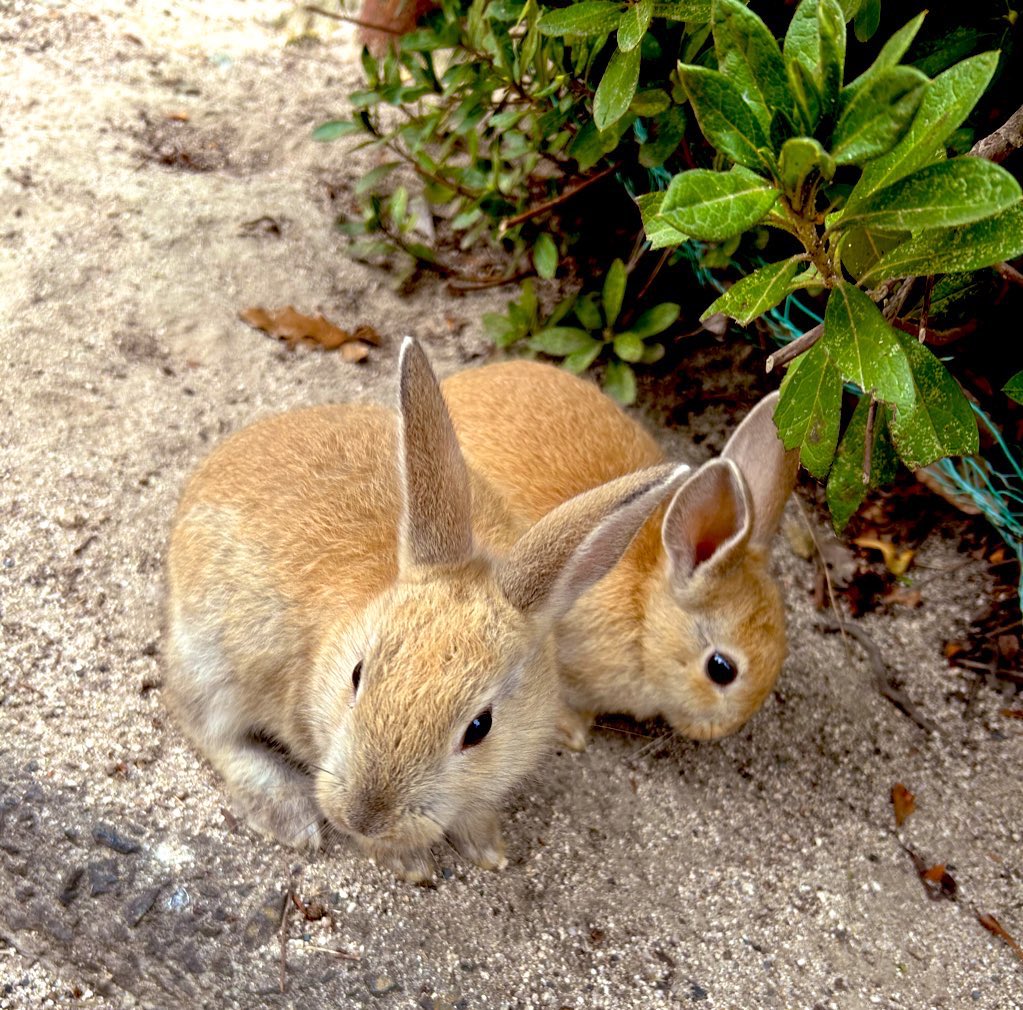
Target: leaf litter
[(294, 328)]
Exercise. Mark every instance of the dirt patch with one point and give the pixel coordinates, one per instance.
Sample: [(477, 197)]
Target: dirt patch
[(156, 177)]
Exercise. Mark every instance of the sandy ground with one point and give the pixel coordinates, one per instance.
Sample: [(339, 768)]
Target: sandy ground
[(760, 871)]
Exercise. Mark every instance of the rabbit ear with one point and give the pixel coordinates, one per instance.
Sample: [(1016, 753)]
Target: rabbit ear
[(709, 521), (579, 542), (436, 513), (769, 470)]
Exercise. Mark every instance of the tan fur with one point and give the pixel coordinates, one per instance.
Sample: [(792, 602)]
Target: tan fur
[(330, 536), (693, 581)]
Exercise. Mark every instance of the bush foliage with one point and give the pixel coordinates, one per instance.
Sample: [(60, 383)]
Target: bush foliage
[(831, 160)]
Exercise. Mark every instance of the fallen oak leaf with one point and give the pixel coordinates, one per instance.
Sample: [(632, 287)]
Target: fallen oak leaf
[(895, 561), (899, 596), (904, 803), (293, 327), (1011, 713), (992, 925)]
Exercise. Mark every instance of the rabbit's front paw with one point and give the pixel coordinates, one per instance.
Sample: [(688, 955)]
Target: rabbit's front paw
[(480, 842), (291, 820), (414, 865)]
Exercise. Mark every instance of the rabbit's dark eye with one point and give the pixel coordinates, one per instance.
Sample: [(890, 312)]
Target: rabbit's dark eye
[(356, 675), (720, 669), (478, 729)]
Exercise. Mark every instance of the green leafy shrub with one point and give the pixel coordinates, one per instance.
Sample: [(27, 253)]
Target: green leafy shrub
[(826, 171)]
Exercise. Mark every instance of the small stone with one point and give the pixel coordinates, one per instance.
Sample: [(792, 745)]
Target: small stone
[(447, 873), (140, 905), (106, 835), (69, 885), (103, 877), (697, 992), (381, 985)]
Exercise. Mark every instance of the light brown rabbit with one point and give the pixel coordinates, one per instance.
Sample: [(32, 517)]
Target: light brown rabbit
[(690, 624), (344, 589)]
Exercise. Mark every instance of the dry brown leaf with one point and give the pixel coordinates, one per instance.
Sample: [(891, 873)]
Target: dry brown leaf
[(997, 556), (934, 874), (895, 561), (899, 596), (291, 326), (354, 351), (904, 803), (1011, 713), (179, 116), (992, 925), (939, 882), (953, 649)]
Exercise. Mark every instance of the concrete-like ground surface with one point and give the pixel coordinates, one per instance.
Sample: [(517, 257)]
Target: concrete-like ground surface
[(763, 871)]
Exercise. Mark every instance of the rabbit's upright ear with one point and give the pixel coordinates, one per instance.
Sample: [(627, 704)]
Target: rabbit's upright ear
[(709, 521), (768, 469), (578, 543), (436, 525)]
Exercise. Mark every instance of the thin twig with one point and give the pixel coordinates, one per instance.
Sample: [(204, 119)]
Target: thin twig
[(542, 208), (885, 686), (895, 304), (285, 908), (347, 955), (868, 443), (653, 274), (792, 350), (482, 283), (358, 22), (999, 145), (824, 565), (1009, 272)]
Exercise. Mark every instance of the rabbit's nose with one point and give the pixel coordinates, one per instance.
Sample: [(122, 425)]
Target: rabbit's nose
[(369, 814)]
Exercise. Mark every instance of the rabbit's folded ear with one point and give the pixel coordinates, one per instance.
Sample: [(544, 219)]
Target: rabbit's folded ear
[(578, 543), (436, 526), (709, 521), (769, 470)]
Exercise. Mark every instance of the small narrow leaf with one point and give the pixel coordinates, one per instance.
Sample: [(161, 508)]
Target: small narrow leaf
[(614, 291), (558, 341), (864, 348), (892, 51), (752, 296), (588, 17), (810, 409), (655, 320), (629, 347), (334, 129), (545, 256), (749, 56), (616, 89), (620, 383), (724, 116), (579, 361), (951, 250), (940, 421), (802, 164), (846, 486), (635, 21), (873, 118), (945, 104), (868, 17), (697, 11), (944, 194), (714, 206), (816, 39)]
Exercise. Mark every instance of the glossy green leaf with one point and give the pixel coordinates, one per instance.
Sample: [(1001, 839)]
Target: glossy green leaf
[(860, 249), (810, 409), (588, 17), (864, 348), (724, 116), (716, 205), (558, 341), (846, 486), (950, 250), (545, 256), (816, 39), (944, 194), (616, 89), (629, 347), (806, 94), (649, 102), (613, 293), (892, 51), (335, 128), (635, 21), (873, 117), (748, 55), (940, 421), (578, 361), (754, 294), (1014, 388), (620, 383), (659, 233), (946, 103), (868, 17), (666, 131), (655, 320)]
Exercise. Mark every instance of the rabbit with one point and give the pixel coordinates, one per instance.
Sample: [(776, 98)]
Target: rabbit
[(690, 625), (360, 630)]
